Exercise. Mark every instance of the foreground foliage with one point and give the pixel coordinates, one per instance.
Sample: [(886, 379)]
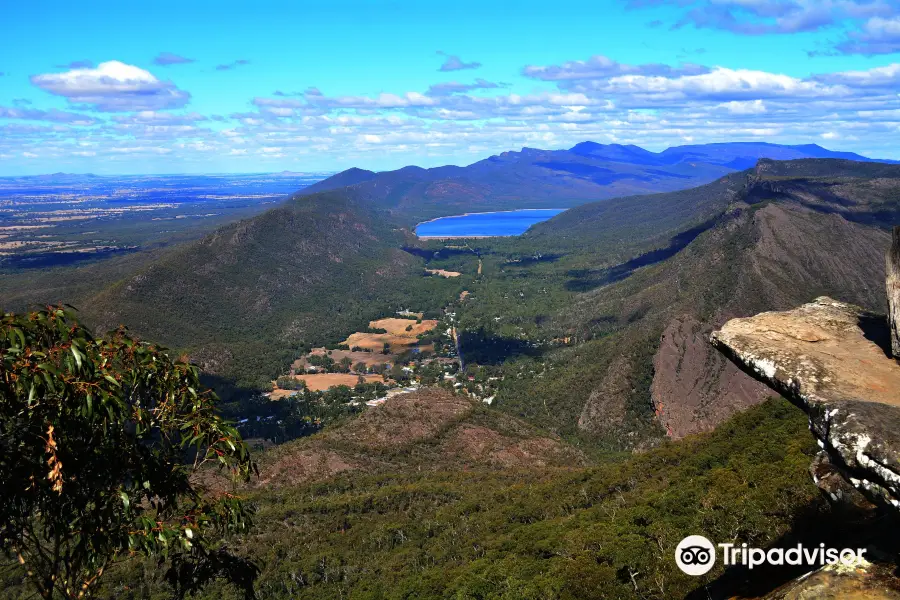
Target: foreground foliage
[(101, 443)]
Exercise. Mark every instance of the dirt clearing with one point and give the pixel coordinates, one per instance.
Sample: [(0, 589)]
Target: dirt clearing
[(398, 326), (401, 335), (443, 273), (322, 381)]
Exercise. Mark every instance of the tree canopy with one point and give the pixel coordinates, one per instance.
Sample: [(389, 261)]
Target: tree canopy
[(109, 448)]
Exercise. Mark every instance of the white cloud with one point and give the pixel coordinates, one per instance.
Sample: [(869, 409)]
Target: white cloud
[(113, 86), (602, 67), (877, 77), (745, 107), (720, 84), (879, 35)]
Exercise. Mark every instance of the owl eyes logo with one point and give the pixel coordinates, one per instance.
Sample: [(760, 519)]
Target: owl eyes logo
[(695, 555)]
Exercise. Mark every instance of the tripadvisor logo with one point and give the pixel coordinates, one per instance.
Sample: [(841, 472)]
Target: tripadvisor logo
[(696, 555)]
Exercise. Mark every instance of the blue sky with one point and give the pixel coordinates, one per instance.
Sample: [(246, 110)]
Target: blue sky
[(320, 86)]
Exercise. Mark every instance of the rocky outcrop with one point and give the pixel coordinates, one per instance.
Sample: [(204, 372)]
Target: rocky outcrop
[(893, 291), (831, 359), (860, 581)]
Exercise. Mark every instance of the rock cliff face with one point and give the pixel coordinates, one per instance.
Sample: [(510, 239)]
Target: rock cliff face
[(694, 387), (831, 359), (893, 291)]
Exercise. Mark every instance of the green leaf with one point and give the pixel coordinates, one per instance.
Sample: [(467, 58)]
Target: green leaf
[(21, 335), (125, 499), (77, 355), (50, 368)]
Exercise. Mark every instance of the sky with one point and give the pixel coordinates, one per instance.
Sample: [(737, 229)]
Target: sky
[(238, 86)]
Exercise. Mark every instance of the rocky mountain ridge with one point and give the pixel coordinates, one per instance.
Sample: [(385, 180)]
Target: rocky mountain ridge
[(537, 178)]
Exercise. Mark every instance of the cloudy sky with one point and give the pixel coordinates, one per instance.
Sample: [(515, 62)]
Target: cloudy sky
[(320, 86)]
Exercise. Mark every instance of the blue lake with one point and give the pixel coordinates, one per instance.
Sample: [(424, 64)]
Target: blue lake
[(514, 222)]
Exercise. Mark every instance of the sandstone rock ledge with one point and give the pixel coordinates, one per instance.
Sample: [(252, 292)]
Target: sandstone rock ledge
[(831, 359), (864, 581)]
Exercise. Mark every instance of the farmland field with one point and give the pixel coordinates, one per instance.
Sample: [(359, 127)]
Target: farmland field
[(401, 335), (318, 382), (61, 219)]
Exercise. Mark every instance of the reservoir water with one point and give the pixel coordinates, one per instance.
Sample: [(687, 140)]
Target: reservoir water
[(487, 224)]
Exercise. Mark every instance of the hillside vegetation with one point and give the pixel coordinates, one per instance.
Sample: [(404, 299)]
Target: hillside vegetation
[(246, 299), (588, 336), (427, 529)]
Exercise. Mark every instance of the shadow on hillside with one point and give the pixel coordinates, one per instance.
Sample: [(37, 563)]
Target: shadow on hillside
[(526, 261), (486, 349), (876, 329), (583, 280), (228, 392), (826, 202), (46, 260), (841, 529), (429, 254)]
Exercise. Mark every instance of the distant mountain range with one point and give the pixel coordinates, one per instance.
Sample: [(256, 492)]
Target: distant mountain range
[(533, 178)]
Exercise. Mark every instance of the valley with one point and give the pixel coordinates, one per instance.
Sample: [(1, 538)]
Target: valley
[(592, 338)]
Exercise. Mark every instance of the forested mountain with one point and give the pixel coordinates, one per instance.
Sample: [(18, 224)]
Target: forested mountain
[(648, 277), (244, 300), (533, 178), (633, 283)]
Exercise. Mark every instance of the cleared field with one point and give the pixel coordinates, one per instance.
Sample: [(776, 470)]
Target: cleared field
[(376, 341), (443, 273), (322, 381), (398, 326), (397, 336), (279, 394), (367, 358)]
